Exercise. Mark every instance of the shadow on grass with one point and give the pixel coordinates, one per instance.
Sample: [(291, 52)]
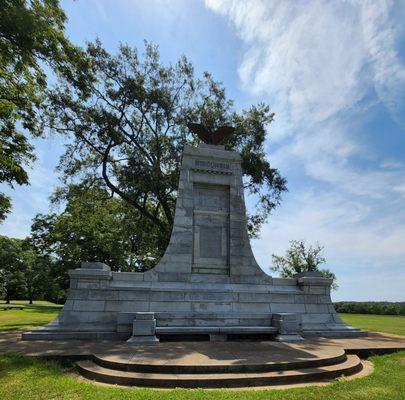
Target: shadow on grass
[(13, 364), (18, 326), (42, 309)]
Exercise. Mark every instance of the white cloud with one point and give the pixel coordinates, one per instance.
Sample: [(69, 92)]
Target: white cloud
[(389, 73), (321, 65), (299, 52)]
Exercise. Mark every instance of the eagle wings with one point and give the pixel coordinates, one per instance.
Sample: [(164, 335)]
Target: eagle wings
[(208, 136)]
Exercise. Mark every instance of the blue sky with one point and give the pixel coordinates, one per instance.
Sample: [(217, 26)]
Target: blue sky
[(334, 74)]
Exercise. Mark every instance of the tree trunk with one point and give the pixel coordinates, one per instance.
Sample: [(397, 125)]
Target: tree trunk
[(30, 295)]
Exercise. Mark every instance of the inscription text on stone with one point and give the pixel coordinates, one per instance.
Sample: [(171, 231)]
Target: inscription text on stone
[(212, 164)]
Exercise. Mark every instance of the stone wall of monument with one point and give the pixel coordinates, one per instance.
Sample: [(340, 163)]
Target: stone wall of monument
[(208, 279)]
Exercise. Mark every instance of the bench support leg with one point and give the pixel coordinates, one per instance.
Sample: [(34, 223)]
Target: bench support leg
[(218, 338), (144, 328)]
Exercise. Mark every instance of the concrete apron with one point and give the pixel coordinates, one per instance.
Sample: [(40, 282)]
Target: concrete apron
[(210, 365)]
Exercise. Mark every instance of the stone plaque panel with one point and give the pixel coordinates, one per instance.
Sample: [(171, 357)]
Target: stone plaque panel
[(211, 228)]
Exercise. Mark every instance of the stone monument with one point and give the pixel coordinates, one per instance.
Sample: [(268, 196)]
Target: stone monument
[(208, 281)]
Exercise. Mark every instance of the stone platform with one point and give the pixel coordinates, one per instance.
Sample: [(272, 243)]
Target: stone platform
[(211, 364), (208, 282)]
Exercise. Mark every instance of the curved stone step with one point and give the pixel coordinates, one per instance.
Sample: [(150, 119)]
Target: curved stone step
[(337, 357), (91, 370), (335, 333)]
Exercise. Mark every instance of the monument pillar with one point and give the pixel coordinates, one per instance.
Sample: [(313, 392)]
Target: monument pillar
[(210, 229)]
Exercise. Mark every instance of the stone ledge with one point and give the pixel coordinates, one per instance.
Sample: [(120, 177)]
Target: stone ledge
[(95, 265), (90, 274), (314, 281)]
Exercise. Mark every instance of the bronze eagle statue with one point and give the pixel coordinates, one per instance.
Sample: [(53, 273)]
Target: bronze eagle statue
[(208, 136)]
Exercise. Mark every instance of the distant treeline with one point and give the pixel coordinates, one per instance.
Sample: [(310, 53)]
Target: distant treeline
[(370, 307)]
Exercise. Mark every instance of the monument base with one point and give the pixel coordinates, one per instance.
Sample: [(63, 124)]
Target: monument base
[(207, 282)]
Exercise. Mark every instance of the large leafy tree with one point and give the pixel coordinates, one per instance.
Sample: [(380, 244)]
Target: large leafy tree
[(31, 37), (94, 226), (15, 152), (36, 270), (24, 272), (127, 127), (12, 284)]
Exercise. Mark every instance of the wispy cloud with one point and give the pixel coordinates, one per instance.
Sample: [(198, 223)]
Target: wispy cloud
[(322, 66)]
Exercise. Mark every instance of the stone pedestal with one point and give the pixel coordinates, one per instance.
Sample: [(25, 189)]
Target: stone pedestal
[(289, 327), (207, 282), (144, 328)]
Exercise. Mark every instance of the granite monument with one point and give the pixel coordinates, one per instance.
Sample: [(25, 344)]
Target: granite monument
[(208, 281)]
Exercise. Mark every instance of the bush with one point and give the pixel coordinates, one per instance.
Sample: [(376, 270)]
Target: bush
[(370, 307)]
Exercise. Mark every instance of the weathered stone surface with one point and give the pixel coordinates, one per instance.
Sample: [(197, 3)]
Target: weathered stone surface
[(208, 280)]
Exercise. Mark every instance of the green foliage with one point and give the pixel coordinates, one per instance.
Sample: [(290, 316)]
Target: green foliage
[(94, 226), (31, 36), (15, 151), (5, 206), (371, 307), (23, 272), (11, 267), (127, 128), (300, 258), (36, 270)]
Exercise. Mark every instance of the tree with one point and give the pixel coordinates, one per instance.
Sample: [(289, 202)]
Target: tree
[(300, 258), (95, 227), (36, 272), (11, 268), (128, 125), (31, 36), (15, 151)]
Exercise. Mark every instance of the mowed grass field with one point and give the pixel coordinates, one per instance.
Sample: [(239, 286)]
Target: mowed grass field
[(39, 313), (377, 323), (29, 378)]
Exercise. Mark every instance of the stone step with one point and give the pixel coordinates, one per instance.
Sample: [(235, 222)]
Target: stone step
[(91, 370), (342, 333), (145, 365)]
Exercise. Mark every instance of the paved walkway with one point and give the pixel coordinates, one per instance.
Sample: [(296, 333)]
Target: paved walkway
[(202, 353)]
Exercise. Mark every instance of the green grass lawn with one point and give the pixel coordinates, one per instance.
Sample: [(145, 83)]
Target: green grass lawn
[(377, 323), (32, 378), (25, 378), (39, 313)]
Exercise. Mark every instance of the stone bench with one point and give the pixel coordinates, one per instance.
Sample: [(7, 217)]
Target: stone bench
[(228, 330), (216, 333), (145, 330), (194, 319), (11, 307)]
